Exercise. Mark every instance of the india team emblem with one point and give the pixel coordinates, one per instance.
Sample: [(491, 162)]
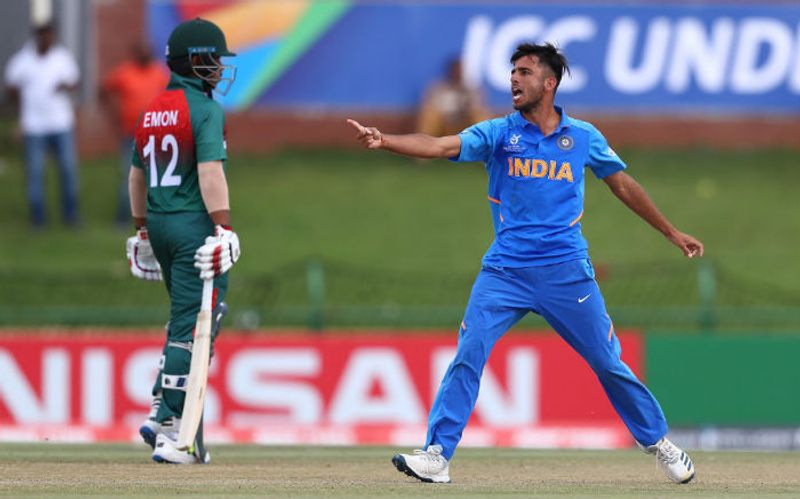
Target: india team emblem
[(565, 143)]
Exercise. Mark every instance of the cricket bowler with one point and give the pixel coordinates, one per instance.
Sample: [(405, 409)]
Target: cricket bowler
[(535, 159), (180, 207)]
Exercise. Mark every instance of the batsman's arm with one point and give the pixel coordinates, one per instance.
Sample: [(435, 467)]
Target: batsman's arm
[(633, 195), (137, 192), (417, 145), (214, 189), (221, 250)]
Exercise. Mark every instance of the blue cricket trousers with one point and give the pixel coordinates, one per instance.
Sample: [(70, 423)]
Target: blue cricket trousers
[(567, 296)]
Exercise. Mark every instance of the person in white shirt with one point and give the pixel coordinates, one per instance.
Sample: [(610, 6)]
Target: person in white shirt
[(40, 78)]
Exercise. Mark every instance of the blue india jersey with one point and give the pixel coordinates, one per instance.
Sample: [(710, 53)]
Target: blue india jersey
[(536, 185)]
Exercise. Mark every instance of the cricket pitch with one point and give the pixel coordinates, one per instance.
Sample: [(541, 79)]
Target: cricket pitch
[(125, 470)]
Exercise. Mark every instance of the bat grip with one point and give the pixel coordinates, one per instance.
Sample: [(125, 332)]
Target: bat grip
[(208, 292)]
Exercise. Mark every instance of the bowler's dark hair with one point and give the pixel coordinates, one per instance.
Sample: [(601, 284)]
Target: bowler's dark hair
[(547, 54)]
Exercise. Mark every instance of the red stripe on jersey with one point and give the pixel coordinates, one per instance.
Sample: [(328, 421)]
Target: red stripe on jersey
[(167, 114)]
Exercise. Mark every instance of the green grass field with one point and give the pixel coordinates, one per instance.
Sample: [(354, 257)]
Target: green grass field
[(45, 470), (400, 241)]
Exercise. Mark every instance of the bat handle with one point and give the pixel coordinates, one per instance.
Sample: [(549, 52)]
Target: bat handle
[(208, 292)]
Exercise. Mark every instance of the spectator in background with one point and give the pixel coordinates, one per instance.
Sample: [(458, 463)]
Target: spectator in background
[(126, 91), (450, 105), (40, 78)]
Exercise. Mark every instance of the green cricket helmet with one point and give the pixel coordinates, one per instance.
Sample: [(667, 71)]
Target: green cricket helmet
[(206, 40)]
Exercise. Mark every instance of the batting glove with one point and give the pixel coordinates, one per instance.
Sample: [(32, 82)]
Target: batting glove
[(141, 259), (218, 254)]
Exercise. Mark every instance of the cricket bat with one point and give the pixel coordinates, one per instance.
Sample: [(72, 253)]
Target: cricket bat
[(198, 371)]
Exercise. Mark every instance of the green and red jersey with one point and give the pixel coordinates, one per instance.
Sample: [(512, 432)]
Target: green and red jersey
[(182, 127)]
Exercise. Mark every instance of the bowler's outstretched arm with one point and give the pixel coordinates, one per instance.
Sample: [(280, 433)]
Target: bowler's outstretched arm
[(418, 145), (635, 197)]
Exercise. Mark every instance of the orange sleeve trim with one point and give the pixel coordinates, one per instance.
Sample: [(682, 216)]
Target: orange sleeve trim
[(610, 331), (576, 220)]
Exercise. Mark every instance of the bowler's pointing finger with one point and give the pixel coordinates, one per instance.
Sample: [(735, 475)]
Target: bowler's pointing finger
[(361, 130)]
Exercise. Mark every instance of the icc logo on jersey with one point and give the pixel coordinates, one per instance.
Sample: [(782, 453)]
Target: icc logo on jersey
[(513, 144)]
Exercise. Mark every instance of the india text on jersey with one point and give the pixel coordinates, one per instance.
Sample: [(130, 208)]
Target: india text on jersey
[(539, 168)]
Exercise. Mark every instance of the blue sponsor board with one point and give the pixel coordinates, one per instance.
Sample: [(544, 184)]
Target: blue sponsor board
[(637, 58)]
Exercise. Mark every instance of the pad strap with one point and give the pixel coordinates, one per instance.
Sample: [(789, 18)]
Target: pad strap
[(174, 382), (180, 344)]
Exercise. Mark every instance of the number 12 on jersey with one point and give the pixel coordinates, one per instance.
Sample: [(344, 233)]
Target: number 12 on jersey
[(168, 143)]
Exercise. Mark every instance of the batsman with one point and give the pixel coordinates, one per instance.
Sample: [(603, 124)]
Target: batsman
[(180, 207)]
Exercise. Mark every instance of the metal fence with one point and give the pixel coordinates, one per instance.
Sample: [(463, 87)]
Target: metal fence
[(318, 294)]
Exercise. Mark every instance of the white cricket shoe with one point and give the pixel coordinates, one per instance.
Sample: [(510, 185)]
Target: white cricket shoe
[(149, 430), (150, 427), (427, 465), (674, 462), (166, 451)]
